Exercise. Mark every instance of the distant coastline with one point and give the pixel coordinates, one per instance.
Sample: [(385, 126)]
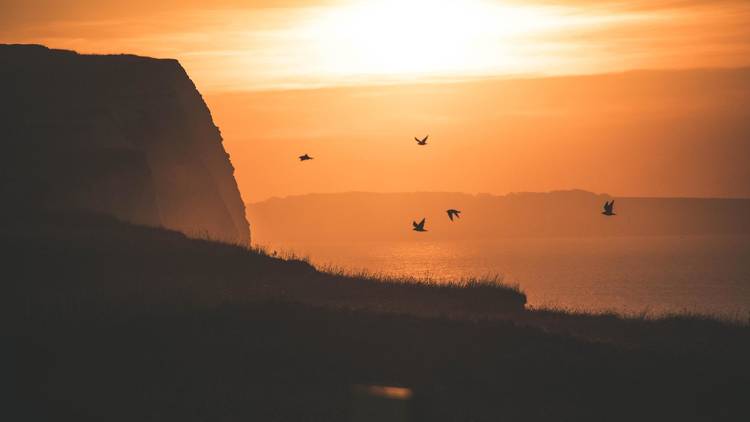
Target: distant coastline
[(386, 216)]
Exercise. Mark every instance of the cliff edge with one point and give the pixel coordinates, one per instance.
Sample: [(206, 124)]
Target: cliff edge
[(121, 135)]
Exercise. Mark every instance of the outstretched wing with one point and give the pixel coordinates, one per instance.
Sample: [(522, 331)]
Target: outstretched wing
[(450, 214), (414, 223), (425, 138), (417, 139), (421, 224)]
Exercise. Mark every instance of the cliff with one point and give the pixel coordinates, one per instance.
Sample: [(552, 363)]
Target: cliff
[(120, 135)]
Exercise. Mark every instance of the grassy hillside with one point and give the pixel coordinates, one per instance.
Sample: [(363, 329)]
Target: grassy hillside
[(117, 322), (100, 265)]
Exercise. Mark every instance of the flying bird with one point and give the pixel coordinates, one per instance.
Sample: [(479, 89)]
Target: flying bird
[(305, 157), (453, 213), (609, 208), (422, 141), (418, 227)]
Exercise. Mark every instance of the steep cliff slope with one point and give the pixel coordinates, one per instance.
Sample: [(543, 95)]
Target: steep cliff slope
[(123, 135)]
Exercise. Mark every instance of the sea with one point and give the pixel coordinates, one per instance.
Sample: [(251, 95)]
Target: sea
[(639, 275)]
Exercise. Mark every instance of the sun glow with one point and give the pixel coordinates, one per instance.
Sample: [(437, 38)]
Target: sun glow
[(315, 43), (420, 37)]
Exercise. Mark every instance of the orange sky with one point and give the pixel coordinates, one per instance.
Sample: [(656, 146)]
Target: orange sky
[(241, 45), (671, 133), (260, 65)]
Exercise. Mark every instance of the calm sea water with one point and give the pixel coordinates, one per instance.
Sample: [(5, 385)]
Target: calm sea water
[(660, 274)]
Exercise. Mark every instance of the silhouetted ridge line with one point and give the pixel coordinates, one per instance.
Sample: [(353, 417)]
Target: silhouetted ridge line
[(381, 216)]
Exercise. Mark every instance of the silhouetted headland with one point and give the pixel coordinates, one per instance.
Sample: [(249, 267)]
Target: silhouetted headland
[(122, 135)]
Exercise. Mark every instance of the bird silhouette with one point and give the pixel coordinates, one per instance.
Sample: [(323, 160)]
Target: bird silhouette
[(305, 157), (453, 213), (419, 227), (609, 208), (422, 141)]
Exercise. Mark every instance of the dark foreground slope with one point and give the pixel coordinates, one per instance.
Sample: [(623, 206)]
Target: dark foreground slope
[(123, 135), (118, 322)]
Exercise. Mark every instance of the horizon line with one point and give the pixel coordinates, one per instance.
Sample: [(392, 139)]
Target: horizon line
[(450, 80), (499, 195)]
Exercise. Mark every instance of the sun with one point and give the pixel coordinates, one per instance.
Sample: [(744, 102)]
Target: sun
[(420, 37)]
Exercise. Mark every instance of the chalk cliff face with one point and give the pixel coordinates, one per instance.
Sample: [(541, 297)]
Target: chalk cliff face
[(122, 135)]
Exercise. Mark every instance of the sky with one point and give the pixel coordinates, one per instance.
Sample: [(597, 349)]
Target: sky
[(642, 133), (492, 82), (230, 45)]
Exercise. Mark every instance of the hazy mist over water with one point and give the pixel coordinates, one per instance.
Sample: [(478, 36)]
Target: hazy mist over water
[(633, 274)]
